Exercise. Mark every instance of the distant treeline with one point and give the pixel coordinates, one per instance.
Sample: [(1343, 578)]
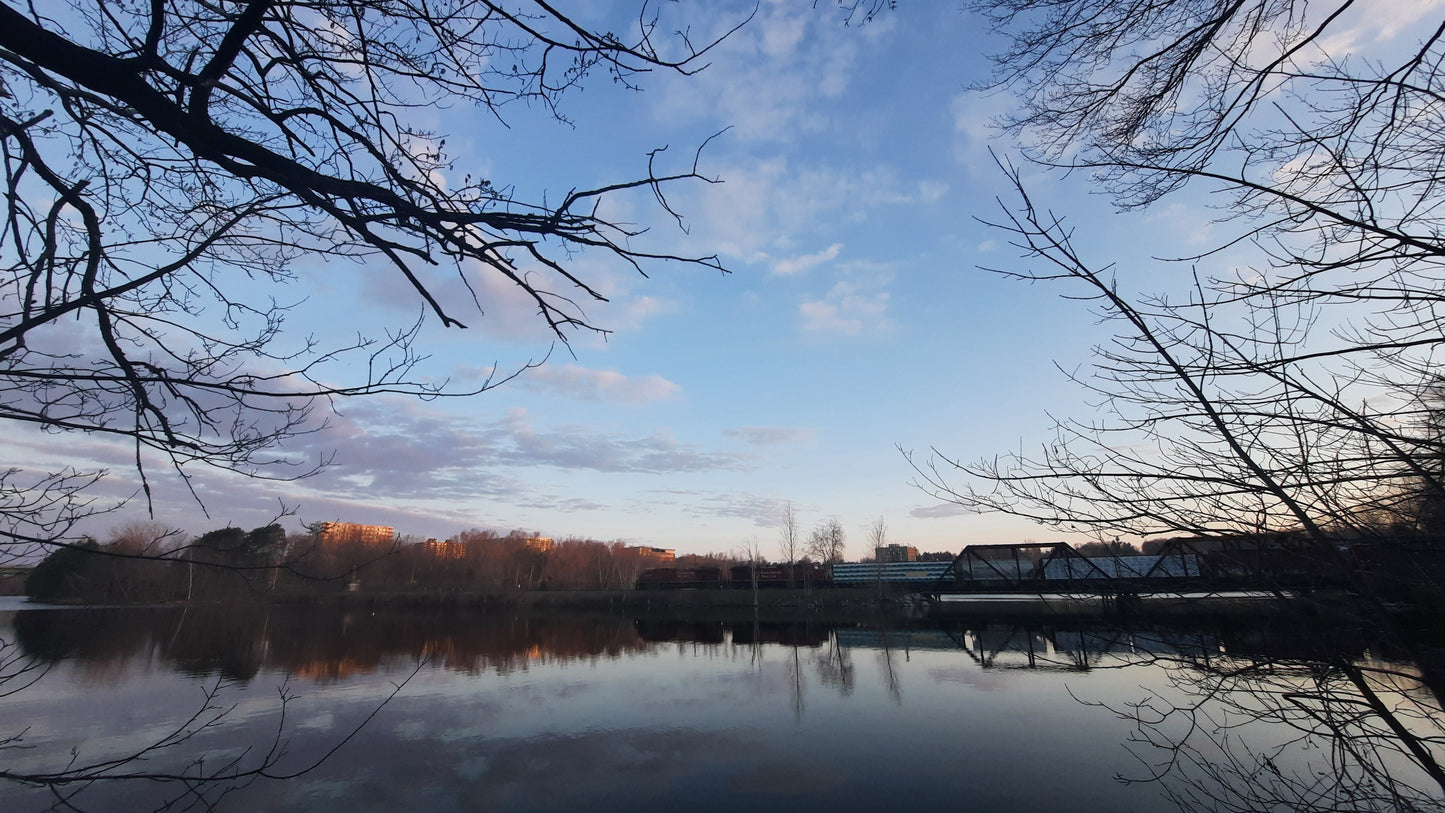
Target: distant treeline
[(142, 564)]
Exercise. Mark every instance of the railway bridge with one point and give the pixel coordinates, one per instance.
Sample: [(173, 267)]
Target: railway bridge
[(1178, 566)]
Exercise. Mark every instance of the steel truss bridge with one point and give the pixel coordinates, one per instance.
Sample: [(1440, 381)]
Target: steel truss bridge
[(1244, 564)]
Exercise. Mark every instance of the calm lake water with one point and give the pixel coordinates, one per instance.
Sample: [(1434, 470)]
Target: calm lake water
[(465, 711)]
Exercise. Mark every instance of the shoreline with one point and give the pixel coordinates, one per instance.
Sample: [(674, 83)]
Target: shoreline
[(841, 605)]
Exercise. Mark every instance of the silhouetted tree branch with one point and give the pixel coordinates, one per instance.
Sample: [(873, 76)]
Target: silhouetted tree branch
[(168, 168), (187, 779), (1299, 392), (1203, 429), (1261, 734)]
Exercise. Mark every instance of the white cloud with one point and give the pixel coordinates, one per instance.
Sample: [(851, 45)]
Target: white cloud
[(740, 217), (586, 384), (844, 310), (763, 512), (765, 207), (769, 80), (806, 261), (931, 191), (632, 312), (855, 305), (1191, 225), (1376, 23), (407, 451), (515, 442), (477, 295), (941, 510), (770, 435), (780, 32), (973, 128)]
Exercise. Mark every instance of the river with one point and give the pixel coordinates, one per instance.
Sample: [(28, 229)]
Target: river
[(266, 708)]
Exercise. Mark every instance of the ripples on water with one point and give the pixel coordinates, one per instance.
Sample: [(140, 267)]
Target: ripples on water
[(496, 711)]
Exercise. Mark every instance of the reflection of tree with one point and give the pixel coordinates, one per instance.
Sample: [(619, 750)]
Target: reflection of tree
[(19, 670), (835, 666), (796, 682), (238, 642), (175, 771), (230, 646), (888, 667), (1259, 713), (1301, 735)]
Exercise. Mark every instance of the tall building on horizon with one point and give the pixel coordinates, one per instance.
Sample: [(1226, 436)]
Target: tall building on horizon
[(896, 553), (543, 544), (334, 532), (660, 556)]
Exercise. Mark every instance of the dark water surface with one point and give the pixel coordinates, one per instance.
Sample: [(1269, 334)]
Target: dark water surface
[(436, 711)]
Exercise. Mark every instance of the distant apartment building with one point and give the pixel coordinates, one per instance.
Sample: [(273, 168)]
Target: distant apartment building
[(450, 549), (896, 553), (333, 532), (542, 544), (654, 556)]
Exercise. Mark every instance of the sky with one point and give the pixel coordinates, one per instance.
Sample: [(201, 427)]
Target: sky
[(855, 323)]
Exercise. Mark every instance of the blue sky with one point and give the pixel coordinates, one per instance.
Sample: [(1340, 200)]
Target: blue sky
[(854, 322)]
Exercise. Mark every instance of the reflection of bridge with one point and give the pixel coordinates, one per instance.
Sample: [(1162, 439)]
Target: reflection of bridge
[(1080, 644), (1019, 646)]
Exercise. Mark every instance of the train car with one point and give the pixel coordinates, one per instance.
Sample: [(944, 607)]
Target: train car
[(912, 575), (1173, 566), (1280, 562), (680, 578), (779, 576), (990, 570)]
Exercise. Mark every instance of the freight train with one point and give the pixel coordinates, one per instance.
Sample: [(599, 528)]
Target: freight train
[(910, 575), (712, 578), (917, 576)]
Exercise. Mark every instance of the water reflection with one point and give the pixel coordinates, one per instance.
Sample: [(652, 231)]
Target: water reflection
[(557, 711), (1265, 734), (237, 642)]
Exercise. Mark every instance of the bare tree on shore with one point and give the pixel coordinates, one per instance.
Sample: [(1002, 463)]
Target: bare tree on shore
[(877, 534), (790, 539), (828, 543)]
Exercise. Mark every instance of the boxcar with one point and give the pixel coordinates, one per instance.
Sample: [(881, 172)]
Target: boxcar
[(680, 578), (771, 576)]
